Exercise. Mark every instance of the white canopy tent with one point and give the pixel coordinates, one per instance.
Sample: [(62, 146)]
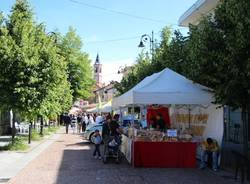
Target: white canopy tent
[(165, 87), (105, 108), (170, 88)]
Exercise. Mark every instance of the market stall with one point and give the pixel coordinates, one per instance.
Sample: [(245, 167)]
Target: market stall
[(105, 107), (191, 113)]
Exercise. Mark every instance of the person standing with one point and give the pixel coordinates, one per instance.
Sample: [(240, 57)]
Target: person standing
[(114, 126), (98, 119), (67, 121), (91, 119), (86, 119), (160, 123), (105, 128), (97, 142), (83, 123), (79, 123), (143, 122)]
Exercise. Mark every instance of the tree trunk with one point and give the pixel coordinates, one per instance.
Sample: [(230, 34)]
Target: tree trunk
[(31, 123), (13, 130), (41, 130), (248, 132)]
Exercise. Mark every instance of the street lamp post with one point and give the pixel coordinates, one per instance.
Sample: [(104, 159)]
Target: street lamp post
[(145, 38)]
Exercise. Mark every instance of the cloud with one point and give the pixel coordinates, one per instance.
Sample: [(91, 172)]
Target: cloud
[(110, 69), (92, 38)]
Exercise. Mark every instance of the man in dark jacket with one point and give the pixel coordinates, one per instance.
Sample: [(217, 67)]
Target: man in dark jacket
[(105, 128), (67, 121), (160, 123)]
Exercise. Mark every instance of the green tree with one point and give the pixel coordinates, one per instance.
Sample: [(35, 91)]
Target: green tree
[(171, 53), (17, 58), (220, 56), (52, 71), (34, 79), (78, 65)]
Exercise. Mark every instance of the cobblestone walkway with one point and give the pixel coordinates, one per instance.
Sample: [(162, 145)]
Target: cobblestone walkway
[(69, 161)]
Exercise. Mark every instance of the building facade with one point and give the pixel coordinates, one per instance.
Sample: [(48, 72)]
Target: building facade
[(199, 9), (106, 93)]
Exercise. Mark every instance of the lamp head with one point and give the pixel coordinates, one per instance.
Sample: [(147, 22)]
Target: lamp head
[(141, 44)]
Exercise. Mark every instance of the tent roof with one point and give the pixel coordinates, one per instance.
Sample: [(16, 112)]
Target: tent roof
[(106, 107), (165, 87)]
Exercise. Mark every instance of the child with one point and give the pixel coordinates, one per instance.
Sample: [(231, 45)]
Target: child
[(97, 141)]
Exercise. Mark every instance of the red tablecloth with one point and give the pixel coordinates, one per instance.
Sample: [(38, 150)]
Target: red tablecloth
[(164, 154)]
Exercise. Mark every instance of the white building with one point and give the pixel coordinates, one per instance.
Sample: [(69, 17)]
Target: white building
[(194, 14)]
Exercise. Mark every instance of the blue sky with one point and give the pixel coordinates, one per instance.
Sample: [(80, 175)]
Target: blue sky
[(98, 25)]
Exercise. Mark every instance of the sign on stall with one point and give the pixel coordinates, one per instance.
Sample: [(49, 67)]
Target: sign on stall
[(172, 133)]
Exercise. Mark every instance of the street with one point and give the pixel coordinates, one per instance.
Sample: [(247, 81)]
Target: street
[(69, 160)]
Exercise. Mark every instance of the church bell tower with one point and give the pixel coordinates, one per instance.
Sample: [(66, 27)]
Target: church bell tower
[(98, 71)]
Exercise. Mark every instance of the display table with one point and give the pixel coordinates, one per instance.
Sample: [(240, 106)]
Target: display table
[(164, 154), (126, 147)]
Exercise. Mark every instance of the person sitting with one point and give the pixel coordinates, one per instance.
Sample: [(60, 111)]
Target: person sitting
[(209, 146)]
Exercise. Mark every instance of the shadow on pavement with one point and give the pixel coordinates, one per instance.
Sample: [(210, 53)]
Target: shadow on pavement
[(79, 167), (80, 144)]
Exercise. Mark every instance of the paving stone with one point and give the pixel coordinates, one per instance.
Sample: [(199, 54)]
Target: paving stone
[(69, 160)]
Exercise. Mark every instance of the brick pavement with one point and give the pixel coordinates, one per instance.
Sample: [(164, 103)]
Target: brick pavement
[(69, 161)]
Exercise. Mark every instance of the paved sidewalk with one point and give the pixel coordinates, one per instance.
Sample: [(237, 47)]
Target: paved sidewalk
[(69, 160), (12, 162)]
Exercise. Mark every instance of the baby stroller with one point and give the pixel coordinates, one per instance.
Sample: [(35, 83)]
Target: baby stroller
[(112, 146)]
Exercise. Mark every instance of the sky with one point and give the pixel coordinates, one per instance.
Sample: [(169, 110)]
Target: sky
[(112, 28)]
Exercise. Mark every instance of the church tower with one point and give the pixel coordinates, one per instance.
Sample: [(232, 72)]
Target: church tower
[(98, 71)]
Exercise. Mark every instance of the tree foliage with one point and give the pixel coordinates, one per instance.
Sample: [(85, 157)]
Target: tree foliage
[(36, 72), (215, 54), (78, 65), (165, 55), (220, 53)]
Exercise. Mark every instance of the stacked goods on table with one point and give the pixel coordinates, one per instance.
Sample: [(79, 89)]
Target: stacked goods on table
[(156, 136)]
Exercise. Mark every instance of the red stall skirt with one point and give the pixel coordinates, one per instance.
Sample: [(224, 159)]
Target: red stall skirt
[(164, 154)]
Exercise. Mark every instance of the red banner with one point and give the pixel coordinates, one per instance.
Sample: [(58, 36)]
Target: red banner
[(153, 111)]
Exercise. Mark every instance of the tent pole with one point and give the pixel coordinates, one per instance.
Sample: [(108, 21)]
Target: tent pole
[(189, 116), (133, 114), (120, 112)]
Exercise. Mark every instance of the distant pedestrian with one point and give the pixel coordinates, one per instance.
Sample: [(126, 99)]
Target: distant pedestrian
[(91, 119), (67, 121), (99, 119), (79, 123), (83, 123), (86, 119), (97, 141), (73, 123)]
